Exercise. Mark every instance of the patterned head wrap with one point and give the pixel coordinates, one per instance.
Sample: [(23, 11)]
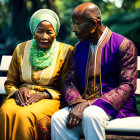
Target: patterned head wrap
[(44, 14), (42, 58)]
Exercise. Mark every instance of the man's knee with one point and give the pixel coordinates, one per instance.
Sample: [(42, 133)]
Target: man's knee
[(95, 114), (56, 116), (92, 112), (60, 116)]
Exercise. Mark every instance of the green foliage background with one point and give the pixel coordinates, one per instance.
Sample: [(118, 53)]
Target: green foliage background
[(15, 15)]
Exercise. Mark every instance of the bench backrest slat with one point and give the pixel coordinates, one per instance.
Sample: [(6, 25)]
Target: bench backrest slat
[(5, 62)]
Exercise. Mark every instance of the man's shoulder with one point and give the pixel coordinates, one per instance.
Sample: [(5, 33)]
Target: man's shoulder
[(120, 40), (123, 43), (118, 36), (121, 37)]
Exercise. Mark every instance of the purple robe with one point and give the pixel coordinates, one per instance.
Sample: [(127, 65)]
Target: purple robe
[(114, 78)]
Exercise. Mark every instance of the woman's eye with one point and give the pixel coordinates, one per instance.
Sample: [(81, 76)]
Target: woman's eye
[(49, 33), (39, 31)]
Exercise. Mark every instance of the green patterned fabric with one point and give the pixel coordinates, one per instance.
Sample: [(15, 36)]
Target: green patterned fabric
[(42, 58), (44, 14)]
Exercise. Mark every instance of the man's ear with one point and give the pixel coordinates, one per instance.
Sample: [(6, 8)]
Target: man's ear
[(94, 25)]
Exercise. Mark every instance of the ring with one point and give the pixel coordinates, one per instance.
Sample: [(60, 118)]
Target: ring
[(17, 101)]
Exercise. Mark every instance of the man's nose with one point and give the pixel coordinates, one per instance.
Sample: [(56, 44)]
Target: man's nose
[(75, 28)]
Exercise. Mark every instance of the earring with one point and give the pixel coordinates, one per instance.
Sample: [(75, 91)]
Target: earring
[(92, 31)]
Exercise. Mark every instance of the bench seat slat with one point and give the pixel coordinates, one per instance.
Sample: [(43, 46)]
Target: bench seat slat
[(138, 87), (129, 124), (5, 62)]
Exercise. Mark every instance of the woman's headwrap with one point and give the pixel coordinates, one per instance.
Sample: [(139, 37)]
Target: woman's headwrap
[(42, 58), (44, 15)]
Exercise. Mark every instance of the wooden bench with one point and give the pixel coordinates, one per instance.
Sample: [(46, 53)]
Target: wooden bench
[(118, 129), (126, 128), (4, 65)]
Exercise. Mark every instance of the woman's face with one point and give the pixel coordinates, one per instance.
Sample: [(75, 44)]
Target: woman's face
[(44, 34)]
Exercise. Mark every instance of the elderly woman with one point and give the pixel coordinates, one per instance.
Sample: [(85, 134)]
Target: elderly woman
[(36, 73)]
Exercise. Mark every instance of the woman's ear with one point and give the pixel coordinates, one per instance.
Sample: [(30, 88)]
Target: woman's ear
[(94, 26)]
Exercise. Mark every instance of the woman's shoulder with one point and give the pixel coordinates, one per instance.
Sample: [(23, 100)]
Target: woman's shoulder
[(65, 49), (21, 46), (65, 46)]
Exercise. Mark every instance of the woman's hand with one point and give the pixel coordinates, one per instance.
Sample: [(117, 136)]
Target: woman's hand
[(21, 96), (35, 98)]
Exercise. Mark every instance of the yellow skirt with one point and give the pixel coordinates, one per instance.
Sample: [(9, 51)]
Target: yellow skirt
[(19, 123)]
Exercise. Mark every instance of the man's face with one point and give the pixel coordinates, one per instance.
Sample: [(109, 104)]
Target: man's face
[(81, 27)]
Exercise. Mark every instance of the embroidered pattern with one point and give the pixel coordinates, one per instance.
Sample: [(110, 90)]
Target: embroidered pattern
[(43, 128), (128, 75), (90, 89)]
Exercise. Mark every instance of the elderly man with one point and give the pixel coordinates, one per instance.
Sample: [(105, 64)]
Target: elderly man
[(101, 81)]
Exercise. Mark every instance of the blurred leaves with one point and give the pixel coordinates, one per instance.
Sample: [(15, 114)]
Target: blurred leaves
[(4, 12), (15, 15), (8, 41), (127, 24)]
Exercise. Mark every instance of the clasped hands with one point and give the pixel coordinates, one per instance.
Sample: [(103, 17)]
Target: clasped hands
[(24, 98), (76, 113)]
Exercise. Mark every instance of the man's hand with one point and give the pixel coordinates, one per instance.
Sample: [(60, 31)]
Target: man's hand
[(21, 96), (75, 115), (35, 98)]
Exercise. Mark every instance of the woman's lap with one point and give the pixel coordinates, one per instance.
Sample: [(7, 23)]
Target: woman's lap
[(44, 107), (35, 115)]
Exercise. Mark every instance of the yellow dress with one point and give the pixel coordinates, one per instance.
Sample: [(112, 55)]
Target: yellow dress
[(19, 123)]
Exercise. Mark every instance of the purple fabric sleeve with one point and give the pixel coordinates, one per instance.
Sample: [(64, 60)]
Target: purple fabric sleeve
[(71, 85), (114, 100), (109, 109)]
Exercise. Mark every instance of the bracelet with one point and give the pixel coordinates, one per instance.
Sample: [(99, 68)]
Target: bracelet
[(89, 103), (47, 94)]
